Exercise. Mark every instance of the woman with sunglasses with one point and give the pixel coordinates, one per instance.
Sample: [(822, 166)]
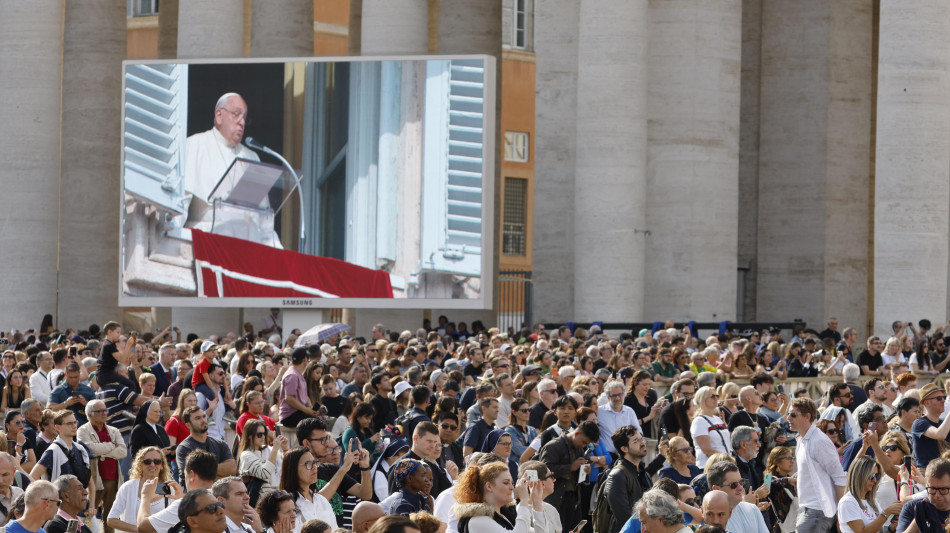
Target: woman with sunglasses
[(729, 400), (278, 513), (259, 461), (521, 433), (150, 463), (709, 431), (895, 485), (298, 476), (858, 511), (784, 492), (682, 461), (552, 518)]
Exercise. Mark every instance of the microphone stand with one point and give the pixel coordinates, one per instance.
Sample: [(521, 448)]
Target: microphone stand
[(250, 142)]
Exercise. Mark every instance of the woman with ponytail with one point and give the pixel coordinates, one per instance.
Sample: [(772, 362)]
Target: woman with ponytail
[(484, 501)]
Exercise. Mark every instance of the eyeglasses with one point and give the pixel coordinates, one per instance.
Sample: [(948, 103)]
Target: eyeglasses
[(874, 477), (618, 395), (211, 508), (831, 431), (686, 450), (940, 399), (60, 502), (934, 490), (786, 458), (237, 115), (322, 440), (99, 411), (260, 435), (524, 410), (151, 462), (735, 484), (694, 502), (715, 396), (310, 465), (499, 443), (448, 427), (793, 414), (891, 448)]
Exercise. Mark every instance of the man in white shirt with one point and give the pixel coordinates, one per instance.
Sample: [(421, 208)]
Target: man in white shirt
[(506, 391), (821, 480), (745, 516), (39, 382), (201, 469), (615, 414), (237, 505), (209, 154)]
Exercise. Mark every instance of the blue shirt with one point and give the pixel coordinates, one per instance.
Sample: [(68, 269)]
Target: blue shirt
[(63, 391), (14, 527), (851, 453), (475, 435)]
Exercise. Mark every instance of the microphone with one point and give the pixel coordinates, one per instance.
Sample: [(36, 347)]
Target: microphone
[(254, 144)]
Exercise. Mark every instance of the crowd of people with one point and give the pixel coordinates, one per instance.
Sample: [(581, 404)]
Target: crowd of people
[(449, 430)]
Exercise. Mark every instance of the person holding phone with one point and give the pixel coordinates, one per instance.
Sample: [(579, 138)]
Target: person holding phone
[(484, 496), (73, 499), (149, 463)]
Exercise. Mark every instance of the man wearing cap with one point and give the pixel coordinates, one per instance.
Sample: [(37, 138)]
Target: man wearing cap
[(928, 429), (294, 400), (531, 373)]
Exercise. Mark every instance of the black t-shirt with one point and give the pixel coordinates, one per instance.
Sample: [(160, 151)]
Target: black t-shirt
[(107, 360), (925, 448), (334, 405), (326, 471), (473, 370), (642, 411), (872, 361)]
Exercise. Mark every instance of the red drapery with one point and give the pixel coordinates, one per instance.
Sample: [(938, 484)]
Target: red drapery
[(225, 266)]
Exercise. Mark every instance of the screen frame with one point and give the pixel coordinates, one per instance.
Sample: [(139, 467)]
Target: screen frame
[(490, 180)]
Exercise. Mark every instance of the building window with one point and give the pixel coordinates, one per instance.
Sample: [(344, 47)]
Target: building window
[(141, 8), (515, 216), (519, 39), (516, 146)]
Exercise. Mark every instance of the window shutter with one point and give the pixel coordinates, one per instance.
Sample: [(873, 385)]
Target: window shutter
[(155, 127), (452, 173)]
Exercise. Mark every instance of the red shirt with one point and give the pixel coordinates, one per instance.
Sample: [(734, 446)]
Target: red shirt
[(176, 428), (201, 369), (108, 468), (268, 421)]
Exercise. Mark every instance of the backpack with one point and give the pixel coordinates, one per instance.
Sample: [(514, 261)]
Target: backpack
[(601, 514), (80, 469)]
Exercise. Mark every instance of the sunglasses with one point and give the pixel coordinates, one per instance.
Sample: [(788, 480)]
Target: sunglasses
[(736, 484), (874, 477), (832, 431), (447, 427), (891, 448), (524, 410), (211, 508), (151, 462), (260, 435)]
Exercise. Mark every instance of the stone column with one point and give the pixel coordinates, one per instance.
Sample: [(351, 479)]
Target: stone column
[(814, 153), (610, 180), (555, 43), (282, 28), (749, 156), (211, 29), (911, 192), (467, 27), (89, 213), (168, 30), (393, 27), (31, 37), (693, 160)]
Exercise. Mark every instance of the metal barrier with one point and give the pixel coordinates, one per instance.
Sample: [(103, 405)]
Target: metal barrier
[(720, 327), (514, 299)]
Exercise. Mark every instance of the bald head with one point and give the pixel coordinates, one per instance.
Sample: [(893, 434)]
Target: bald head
[(750, 398), (716, 508), (365, 514)]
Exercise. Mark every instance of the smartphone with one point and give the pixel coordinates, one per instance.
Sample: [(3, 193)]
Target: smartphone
[(162, 488), (353, 445), (872, 427), (907, 462), (663, 433), (72, 526), (781, 389), (580, 526), (768, 480), (531, 475)]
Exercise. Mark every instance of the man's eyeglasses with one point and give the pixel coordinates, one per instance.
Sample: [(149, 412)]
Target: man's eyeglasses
[(618, 395), (934, 490), (322, 440), (793, 414), (735, 484), (448, 427), (236, 115), (60, 502), (211, 508)]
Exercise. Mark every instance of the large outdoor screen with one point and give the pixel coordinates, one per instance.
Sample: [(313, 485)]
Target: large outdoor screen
[(341, 182)]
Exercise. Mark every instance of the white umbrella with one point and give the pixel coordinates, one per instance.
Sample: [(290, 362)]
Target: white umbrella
[(320, 333)]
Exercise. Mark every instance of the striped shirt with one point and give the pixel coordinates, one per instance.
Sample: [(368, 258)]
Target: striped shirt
[(119, 401)]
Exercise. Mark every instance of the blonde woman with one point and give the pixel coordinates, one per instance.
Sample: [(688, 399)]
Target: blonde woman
[(682, 461), (858, 511), (729, 400), (148, 464), (709, 431)]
